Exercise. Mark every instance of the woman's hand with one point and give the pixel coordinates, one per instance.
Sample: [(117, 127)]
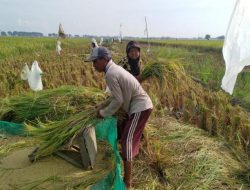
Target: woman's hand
[(99, 114), (139, 78)]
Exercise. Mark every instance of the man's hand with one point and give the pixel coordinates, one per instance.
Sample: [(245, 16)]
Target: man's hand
[(101, 104)]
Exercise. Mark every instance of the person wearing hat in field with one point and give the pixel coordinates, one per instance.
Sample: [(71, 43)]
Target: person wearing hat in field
[(132, 61), (126, 92)]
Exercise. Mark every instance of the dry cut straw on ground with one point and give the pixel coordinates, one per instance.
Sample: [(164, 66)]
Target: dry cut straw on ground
[(178, 156)]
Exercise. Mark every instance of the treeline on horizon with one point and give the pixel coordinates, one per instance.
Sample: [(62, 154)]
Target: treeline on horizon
[(39, 34)]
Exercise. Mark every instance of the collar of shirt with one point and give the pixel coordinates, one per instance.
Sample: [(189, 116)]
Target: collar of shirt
[(108, 65)]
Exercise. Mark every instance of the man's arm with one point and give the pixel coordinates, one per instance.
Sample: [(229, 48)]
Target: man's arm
[(116, 99)]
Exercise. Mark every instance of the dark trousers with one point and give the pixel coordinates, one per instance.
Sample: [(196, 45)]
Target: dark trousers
[(130, 132)]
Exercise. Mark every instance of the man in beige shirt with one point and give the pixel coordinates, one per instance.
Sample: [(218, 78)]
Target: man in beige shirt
[(126, 92)]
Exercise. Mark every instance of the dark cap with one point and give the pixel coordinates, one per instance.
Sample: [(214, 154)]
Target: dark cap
[(99, 52), (132, 44)]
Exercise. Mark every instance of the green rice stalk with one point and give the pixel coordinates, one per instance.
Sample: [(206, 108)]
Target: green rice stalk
[(155, 69), (51, 104)]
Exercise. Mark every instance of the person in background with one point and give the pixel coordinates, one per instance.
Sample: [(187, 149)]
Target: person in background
[(126, 92), (132, 62)]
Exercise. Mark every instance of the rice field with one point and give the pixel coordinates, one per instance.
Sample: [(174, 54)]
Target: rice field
[(183, 81)]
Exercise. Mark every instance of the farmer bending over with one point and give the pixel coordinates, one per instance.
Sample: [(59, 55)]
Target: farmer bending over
[(127, 92)]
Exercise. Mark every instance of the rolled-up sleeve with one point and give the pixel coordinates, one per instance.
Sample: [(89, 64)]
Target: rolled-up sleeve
[(116, 99)]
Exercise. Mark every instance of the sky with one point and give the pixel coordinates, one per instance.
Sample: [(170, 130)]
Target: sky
[(165, 18)]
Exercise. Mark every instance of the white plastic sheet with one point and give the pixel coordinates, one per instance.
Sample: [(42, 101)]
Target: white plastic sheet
[(58, 47), (25, 72), (101, 41), (61, 32), (119, 39), (94, 43), (107, 90), (236, 49), (35, 78)]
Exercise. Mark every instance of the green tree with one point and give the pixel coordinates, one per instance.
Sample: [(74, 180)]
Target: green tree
[(9, 33), (3, 33), (207, 37)]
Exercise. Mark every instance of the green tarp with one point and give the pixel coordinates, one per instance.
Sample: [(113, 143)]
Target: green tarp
[(9, 128), (107, 130)]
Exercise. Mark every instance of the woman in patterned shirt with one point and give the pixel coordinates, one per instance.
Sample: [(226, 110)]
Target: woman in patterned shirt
[(132, 62)]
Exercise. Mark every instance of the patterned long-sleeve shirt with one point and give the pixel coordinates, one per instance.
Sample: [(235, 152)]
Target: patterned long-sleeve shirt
[(134, 70)]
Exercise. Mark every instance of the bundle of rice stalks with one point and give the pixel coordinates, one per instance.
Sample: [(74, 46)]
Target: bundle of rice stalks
[(155, 69), (61, 134), (51, 104), (54, 135)]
